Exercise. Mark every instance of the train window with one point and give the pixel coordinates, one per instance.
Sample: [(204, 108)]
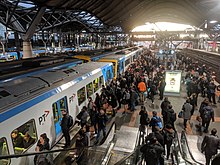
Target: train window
[(89, 89), (114, 68), (4, 151), (96, 84), (127, 62), (63, 104), (101, 81), (24, 136), (81, 95), (122, 66), (55, 112), (108, 75)]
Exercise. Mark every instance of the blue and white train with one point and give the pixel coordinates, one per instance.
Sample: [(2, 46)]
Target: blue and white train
[(33, 104)]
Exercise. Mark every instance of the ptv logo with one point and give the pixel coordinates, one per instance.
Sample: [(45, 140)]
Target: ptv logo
[(42, 118)]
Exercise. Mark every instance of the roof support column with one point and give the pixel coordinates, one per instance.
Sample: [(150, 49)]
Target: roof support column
[(27, 47)]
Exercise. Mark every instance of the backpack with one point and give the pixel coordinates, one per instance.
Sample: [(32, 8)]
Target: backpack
[(151, 153), (169, 137), (173, 117), (70, 121), (207, 113), (158, 122)]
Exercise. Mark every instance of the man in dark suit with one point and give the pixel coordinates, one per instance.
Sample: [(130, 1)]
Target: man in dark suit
[(210, 145)]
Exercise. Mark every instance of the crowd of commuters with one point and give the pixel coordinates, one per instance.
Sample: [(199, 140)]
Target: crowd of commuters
[(198, 81), (143, 79)]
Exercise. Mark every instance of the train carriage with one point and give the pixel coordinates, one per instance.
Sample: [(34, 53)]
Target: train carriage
[(33, 104)]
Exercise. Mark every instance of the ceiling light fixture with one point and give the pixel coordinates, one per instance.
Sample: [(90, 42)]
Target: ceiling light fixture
[(213, 21)]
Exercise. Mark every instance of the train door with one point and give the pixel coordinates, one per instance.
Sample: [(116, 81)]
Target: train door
[(58, 106)]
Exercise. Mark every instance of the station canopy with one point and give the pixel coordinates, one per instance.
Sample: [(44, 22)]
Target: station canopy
[(129, 14)]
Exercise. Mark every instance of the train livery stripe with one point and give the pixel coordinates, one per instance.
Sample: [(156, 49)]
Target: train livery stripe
[(14, 111)]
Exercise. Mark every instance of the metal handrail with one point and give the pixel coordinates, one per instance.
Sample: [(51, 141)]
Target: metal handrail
[(107, 154), (183, 135), (101, 143), (137, 144), (180, 150)]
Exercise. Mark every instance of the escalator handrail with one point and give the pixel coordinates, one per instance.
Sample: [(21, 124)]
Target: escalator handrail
[(102, 141), (183, 134), (180, 149), (104, 138)]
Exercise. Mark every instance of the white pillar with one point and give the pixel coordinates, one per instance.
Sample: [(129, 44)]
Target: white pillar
[(27, 49)]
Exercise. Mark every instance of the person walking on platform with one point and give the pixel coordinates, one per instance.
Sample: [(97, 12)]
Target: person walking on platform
[(101, 120), (207, 113), (187, 108), (144, 121), (97, 101), (142, 88), (164, 109), (125, 100), (155, 122), (133, 99), (65, 128), (169, 135), (162, 85), (84, 116), (193, 102), (171, 116), (210, 145), (211, 92)]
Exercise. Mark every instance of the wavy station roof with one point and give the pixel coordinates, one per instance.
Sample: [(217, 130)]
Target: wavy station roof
[(125, 14), (131, 13)]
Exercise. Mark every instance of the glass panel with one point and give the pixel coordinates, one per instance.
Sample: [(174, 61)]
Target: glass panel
[(81, 95), (4, 151), (114, 71), (63, 104), (127, 62), (101, 80), (89, 89), (24, 137), (96, 85), (57, 107), (108, 75), (55, 112)]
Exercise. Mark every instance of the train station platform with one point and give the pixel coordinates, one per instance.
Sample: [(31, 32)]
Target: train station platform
[(194, 137), (126, 130)]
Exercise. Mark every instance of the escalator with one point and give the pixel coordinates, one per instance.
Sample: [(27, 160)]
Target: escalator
[(180, 154), (106, 153), (96, 154), (196, 156)]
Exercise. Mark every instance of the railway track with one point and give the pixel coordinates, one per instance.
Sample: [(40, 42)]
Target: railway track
[(210, 60)]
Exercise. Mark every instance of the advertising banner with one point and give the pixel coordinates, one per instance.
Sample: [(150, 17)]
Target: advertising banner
[(173, 82)]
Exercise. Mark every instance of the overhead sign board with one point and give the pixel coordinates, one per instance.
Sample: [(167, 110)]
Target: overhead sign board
[(173, 82)]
